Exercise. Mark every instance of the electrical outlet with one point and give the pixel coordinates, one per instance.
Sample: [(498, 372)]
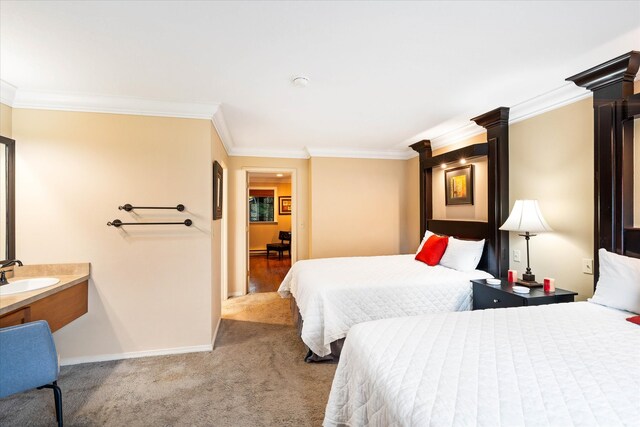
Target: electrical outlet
[(587, 266), (516, 255)]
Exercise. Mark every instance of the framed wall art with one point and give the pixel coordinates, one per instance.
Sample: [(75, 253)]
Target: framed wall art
[(458, 184), (285, 205)]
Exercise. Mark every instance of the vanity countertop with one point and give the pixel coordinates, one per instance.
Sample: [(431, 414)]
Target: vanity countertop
[(69, 275)]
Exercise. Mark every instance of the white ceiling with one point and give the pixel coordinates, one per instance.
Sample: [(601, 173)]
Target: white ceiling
[(382, 74)]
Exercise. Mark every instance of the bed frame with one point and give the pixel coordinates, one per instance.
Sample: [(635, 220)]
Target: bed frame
[(495, 258), (615, 108)]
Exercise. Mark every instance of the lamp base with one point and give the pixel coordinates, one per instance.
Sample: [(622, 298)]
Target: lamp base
[(529, 283), (529, 277)]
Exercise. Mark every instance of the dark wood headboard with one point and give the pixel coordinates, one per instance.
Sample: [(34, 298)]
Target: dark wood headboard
[(495, 258), (615, 107)]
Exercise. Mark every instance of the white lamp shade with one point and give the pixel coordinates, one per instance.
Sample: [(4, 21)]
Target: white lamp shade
[(526, 216)]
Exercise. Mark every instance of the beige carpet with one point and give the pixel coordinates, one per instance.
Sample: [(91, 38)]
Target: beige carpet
[(266, 307), (255, 376)]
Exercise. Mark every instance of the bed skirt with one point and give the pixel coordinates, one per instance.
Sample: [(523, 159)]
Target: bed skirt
[(311, 357)]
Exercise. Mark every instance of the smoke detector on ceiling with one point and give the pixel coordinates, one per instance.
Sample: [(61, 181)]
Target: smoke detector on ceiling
[(300, 81)]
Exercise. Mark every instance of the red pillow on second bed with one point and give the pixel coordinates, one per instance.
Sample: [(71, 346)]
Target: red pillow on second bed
[(433, 250)]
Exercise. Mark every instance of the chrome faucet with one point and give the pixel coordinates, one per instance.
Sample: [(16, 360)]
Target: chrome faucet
[(3, 278)]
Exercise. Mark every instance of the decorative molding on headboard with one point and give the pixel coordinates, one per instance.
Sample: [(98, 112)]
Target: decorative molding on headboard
[(426, 206), (611, 83), (496, 122)]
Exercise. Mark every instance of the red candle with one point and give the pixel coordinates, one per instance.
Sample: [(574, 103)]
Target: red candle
[(549, 284), (512, 276)]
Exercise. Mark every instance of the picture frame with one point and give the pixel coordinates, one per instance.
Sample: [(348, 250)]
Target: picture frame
[(284, 203), (217, 190), (458, 183)]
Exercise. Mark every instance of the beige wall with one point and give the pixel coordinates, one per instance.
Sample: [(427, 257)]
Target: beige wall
[(551, 159), (219, 154), (238, 217), (261, 234), (411, 212), (6, 120), (151, 286), (357, 206)]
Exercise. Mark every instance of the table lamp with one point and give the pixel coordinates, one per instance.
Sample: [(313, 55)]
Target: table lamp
[(526, 218)]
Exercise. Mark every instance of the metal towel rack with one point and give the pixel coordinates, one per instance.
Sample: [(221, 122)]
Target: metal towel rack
[(118, 223), (128, 207)]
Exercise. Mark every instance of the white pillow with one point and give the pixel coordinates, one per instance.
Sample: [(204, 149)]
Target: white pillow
[(619, 282), (462, 255), (427, 234)]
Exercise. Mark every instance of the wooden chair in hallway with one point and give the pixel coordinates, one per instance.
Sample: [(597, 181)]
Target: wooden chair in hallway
[(284, 245)]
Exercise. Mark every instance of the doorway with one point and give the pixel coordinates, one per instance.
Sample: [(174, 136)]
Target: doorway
[(270, 229)]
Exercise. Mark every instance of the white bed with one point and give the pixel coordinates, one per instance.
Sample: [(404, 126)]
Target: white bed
[(574, 364), (333, 294)]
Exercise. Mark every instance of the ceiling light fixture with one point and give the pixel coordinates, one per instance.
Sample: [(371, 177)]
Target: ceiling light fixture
[(444, 165), (279, 175), (300, 81), (463, 161)]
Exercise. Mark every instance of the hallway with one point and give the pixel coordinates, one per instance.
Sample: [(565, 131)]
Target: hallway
[(266, 274)]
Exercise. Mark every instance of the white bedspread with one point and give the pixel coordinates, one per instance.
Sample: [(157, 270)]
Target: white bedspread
[(575, 364), (334, 294)]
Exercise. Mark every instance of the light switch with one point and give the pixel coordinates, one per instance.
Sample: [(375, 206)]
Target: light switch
[(587, 266), (516, 255)]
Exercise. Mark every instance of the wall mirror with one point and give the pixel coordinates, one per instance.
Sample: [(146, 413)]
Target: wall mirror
[(7, 199)]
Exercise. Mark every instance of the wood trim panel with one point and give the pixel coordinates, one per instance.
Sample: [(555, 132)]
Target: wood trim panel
[(632, 240), (17, 317), (58, 309), (63, 307), (613, 105), (495, 258), (468, 152), (496, 122)]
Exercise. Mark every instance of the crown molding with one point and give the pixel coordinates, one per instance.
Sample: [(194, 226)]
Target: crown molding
[(566, 94), (220, 124), (456, 135), (362, 153), (563, 95), (7, 93), (265, 152), (41, 100)]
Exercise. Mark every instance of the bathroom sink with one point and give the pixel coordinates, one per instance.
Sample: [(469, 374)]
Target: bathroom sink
[(25, 285)]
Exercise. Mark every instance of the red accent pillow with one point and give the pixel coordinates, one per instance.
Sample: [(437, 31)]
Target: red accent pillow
[(634, 319), (433, 250)]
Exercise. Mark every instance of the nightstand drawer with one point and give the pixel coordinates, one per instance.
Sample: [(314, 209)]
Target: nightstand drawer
[(488, 297)]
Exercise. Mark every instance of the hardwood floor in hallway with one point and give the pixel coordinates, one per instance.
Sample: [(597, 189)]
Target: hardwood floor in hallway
[(266, 274)]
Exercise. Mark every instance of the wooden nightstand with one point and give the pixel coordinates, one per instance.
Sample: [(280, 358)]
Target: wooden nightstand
[(498, 296)]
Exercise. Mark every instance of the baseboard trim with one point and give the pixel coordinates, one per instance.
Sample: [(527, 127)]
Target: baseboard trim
[(135, 354), (215, 334), (236, 294)]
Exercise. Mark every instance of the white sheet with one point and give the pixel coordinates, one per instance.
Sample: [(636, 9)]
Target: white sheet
[(334, 294), (575, 364)]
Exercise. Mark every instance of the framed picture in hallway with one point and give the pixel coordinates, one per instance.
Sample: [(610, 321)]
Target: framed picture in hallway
[(285, 205), (217, 190)]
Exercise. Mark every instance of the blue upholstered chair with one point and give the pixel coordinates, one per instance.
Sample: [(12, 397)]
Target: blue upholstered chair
[(28, 359)]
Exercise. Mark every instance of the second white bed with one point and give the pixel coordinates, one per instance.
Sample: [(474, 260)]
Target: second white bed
[(574, 364), (334, 294)]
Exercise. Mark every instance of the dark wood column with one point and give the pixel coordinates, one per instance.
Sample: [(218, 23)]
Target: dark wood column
[(496, 122), (426, 204), (611, 82)]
